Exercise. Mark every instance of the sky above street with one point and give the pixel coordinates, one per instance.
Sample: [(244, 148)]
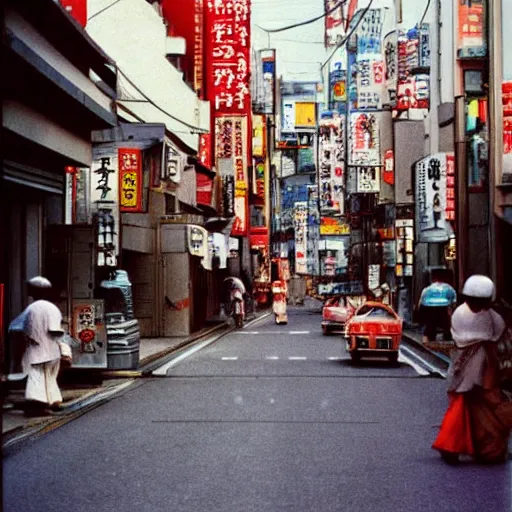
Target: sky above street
[(300, 51)]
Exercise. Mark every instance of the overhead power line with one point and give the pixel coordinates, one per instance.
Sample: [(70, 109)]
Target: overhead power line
[(349, 35), (103, 10), (425, 13), (147, 99), (307, 22)]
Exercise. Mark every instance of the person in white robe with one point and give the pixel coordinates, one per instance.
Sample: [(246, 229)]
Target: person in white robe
[(41, 323)]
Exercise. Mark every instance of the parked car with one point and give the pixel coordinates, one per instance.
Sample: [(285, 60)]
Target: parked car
[(335, 313), (374, 330)]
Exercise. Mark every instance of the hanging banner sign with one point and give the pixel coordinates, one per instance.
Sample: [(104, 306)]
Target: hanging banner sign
[(431, 197), (205, 150), (506, 100), (198, 45), (391, 67), (268, 60), (300, 221), (364, 140), (369, 35), (104, 199), (228, 49), (331, 172), (334, 26), (130, 180)]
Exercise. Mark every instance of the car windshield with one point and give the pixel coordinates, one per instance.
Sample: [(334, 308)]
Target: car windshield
[(375, 312)]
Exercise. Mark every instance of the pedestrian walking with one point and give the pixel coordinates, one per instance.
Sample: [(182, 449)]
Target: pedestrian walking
[(478, 420), (435, 306), (41, 323)]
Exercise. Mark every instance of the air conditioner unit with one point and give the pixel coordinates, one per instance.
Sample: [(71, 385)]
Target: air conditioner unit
[(172, 166)]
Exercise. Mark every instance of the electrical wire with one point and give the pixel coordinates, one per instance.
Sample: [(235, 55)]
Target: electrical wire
[(149, 100), (425, 13), (103, 10), (348, 36), (307, 22)]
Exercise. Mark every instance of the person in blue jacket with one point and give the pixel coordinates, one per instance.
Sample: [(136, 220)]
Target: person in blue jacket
[(436, 304)]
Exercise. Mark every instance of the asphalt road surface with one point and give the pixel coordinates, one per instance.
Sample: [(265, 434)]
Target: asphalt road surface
[(268, 418)]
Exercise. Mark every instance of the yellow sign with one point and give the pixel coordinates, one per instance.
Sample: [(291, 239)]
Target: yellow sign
[(333, 227), (305, 115)]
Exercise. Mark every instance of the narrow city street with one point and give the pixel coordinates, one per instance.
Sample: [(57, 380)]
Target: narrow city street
[(268, 418)]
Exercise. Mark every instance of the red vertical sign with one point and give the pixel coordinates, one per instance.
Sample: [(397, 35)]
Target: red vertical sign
[(227, 41)]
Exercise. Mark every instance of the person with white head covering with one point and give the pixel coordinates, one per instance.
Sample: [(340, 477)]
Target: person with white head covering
[(471, 425), (41, 324)]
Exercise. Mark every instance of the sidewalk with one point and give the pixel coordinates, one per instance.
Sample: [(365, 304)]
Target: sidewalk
[(85, 389)]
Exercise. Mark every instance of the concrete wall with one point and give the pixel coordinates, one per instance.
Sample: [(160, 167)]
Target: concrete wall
[(409, 148), (134, 35)]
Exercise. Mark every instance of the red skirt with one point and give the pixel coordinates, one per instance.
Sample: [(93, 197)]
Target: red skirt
[(455, 435)]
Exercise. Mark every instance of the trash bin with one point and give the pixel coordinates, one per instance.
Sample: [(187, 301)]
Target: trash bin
[(123, 332)]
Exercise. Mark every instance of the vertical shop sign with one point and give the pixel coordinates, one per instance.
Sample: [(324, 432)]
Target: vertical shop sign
[(471, 32), (334, 28), (364, 140), (130, 180), (300, 218), (105, 203), (404, 229), (337, 88), (506, 100), (450, 188), (258, 135), (88, 333), (370, 84), (391, 66), (205, 151), (369, 35), (198, 46), (373, 277), (389, 167), (288, 116), (431, 197), (268, 62), (229, 53), (231, 146), (331, 171)]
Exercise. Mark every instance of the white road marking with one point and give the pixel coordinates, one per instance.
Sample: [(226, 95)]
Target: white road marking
[(297, 358), (335, 358), (272, 358), (229, 358), (404, 359), (299, 332)]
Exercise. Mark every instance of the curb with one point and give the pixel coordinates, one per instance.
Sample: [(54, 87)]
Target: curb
[(435, 359)]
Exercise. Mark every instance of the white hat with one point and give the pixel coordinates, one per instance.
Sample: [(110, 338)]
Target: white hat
[(479, 286), (40, 282)]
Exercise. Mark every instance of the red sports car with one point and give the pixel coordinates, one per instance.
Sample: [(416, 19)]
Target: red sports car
[(335, 313), (374, 330)]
